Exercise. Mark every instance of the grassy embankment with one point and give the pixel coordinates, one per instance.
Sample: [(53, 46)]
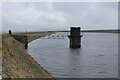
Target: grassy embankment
[(102, 31), (17, 63), (97, 31)]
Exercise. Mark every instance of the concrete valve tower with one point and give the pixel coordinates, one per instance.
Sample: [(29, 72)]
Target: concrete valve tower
[(75, 37)]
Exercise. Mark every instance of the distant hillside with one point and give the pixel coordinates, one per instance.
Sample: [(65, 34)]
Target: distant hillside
[(102, 31)]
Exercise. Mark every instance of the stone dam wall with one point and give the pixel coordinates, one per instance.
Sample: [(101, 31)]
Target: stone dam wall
[(27, 64), (20, 38)]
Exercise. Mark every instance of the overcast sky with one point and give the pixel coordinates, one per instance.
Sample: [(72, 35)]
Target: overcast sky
[(43, 16)]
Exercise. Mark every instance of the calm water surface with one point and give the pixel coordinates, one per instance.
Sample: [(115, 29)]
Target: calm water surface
[(97, 58)]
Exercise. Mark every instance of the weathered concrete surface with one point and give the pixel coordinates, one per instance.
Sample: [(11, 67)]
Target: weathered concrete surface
[(22, 38), (19, 64), (75, 37)]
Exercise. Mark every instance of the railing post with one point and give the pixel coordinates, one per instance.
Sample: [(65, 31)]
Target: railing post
[(10, 32)]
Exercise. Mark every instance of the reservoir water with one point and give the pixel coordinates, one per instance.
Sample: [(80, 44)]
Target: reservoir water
[(97, 58)]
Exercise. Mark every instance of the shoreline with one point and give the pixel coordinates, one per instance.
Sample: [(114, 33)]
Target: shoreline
[(12, 62), (17, 63), (96, 31)]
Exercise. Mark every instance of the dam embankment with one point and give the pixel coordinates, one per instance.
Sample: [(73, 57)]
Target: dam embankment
[(17, 63)]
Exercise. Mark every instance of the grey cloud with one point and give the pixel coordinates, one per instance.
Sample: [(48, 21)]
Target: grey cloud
[(91, 15), (59, 16)]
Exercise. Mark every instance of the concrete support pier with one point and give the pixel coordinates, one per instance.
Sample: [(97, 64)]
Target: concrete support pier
[(26, 42), (75, 37)]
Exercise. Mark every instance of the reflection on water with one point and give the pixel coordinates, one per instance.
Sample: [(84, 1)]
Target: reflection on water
[(97, 58)]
